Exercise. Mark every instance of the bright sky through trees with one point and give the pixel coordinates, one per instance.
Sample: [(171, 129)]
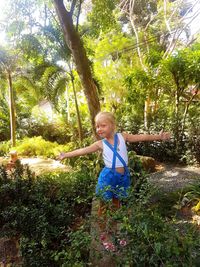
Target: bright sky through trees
[(195, 24), (3, 4)]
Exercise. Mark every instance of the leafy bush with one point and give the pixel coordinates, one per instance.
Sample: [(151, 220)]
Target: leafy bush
[(51, 216), (4, 117), (152, 238), (192, 196), (154, 241), (43, 211), (4, 148), (48, 130), (37, 146), (161, 151)]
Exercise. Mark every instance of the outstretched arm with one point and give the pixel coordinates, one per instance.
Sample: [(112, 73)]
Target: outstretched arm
[(146, 137), (81, 151)]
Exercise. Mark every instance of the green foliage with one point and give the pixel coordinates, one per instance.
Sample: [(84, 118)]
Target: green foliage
[(154, 241), (50, 216), (32, 48), (193, 192), (54, 81), (4, 119), (43, 211), (161, 151), (4, 148), (77, 254), (152, 234), (154, 56), (102, 17), (140, 85), (37, 146)]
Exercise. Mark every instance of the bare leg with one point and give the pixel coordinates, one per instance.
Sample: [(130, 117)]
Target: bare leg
[(102, 216), (115, 206), (116, 203)]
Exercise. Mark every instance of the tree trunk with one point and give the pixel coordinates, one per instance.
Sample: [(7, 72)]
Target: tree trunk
[(74, 43), (80, 129), (146, 113), (68, 107), (12, 111), (186, 111)]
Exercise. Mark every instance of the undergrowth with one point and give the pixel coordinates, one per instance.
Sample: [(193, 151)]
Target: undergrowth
[(50, 215)]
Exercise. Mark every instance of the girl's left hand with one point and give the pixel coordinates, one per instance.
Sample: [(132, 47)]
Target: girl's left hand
[(164, 135)]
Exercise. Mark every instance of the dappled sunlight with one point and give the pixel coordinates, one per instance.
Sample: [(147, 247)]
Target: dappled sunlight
[(196, 219), (172, 178), (41, 165)]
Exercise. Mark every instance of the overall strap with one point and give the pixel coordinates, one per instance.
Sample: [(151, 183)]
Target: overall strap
[(115, 153)]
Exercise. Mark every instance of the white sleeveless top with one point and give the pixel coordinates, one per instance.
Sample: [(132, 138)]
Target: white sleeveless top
[(121, 149)]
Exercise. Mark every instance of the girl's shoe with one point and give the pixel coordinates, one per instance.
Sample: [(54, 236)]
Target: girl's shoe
[(103, 237), (122, 242), (109, 246)]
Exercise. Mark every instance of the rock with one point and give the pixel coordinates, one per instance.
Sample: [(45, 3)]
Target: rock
[(148, 163)]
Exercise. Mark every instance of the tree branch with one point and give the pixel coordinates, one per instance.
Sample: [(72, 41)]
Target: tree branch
[(165, 16), (174, 11), (73, 5), (78, 15), (175, 38), (131, 15)]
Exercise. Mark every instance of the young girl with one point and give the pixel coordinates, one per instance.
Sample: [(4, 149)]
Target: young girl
[(114, 180)]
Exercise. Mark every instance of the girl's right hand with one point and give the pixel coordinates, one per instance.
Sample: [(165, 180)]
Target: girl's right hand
[(61, 156)]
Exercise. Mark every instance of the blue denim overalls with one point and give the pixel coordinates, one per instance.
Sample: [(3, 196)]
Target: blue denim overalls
[(112, 184)]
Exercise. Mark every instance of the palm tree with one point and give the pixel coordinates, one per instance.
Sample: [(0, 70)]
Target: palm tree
[(50, 78), (53, 81), (8, 64)]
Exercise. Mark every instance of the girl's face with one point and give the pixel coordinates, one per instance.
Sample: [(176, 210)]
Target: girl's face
[(104, 127)]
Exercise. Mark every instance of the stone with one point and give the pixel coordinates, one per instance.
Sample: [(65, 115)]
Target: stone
[(148, 163)]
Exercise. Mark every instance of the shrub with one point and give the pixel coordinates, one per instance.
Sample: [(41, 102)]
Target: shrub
[(154, 241), (192, 196), (51, 216), (37, 146), (43, 211), (4, 148)]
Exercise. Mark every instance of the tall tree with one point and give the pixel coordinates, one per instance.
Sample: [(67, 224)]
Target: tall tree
[(51, 77), (81, 60), (33, 16), (157, 27), (184, 68), (7, 67)]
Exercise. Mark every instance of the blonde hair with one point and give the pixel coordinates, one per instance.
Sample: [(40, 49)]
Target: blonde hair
[(107, 115)]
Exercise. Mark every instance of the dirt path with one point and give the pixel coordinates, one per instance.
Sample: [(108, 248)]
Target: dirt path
[(41, 165), (173, 177)]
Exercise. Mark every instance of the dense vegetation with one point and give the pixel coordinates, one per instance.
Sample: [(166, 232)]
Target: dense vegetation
[(62, 62), (141, 61), (51, 217)]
